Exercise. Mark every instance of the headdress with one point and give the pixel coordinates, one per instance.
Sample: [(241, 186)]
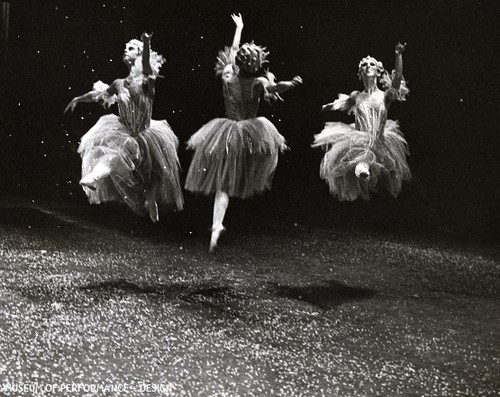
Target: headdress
[(251, 57)]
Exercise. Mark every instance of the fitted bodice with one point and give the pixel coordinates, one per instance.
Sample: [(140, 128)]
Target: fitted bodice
[(134, 106), (370, 113), (241, 98)]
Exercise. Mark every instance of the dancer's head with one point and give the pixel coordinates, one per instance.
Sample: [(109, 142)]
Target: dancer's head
[(132, 56), (370, 67), (133, 50), (251, 58)]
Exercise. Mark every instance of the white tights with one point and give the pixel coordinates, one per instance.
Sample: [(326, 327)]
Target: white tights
[(220, 207)]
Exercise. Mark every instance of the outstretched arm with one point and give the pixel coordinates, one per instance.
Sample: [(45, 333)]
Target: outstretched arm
[(398, 68), (282, 86), (101, 91), (146, 51), (88, 97)]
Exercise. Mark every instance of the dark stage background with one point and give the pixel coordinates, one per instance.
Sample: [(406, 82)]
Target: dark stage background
[(57, 49)]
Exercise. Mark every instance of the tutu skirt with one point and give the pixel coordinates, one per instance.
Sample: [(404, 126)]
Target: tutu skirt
[(138, 163), (236, 157), (346, 147)]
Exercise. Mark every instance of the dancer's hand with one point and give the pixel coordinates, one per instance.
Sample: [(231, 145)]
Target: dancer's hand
[(399, 49), (328, 107), (72, 104), (238, 20), (297, 80), (146, 36)]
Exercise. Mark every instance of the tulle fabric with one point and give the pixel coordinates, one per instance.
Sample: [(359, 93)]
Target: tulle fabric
[(137, 163), (238, 157), (346, 147)]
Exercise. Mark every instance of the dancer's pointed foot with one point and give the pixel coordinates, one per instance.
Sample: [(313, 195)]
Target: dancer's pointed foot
[(362, 171), (152, 208), (216, 232), (89, 181)]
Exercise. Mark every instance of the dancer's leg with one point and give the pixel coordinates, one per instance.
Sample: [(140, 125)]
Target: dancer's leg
[(151, 204), (220, 207)]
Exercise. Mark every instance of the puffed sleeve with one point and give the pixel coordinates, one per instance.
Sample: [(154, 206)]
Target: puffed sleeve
[(100, 94), (345, 102)]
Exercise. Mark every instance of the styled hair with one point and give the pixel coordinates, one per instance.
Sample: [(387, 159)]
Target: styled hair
[(251, 57)]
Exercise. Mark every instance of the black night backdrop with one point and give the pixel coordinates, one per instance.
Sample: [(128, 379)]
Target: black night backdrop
[(56, 50), (306, 295)]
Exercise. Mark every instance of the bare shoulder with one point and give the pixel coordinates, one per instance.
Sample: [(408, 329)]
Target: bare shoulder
[(116, 86), (353, 97), (118, 83)]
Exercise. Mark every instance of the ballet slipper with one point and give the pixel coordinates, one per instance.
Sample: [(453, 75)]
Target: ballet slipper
[(89, 181), (99, 172), (362, 171), (152, 208), (216, 232)]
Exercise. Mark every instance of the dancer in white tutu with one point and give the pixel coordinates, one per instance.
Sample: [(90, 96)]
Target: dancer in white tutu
[(236, 156), (130, 158), (369, 155)]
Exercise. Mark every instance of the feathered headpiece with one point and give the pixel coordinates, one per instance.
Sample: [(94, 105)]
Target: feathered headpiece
[(251, 57)]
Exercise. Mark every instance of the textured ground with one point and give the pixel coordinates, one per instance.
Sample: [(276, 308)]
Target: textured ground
[(95, 296)]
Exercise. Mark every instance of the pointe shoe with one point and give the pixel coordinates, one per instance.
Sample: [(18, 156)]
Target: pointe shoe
[(89, 181), (216, 232), (152, 208), (362, 171)]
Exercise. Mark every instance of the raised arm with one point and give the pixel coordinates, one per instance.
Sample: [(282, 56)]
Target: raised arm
[(226, 58), (146, 51), (398, 68), (238, 21)]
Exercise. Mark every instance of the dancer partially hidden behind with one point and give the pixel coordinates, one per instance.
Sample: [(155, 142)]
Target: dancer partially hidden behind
[(237, 156), (369, 155), (131, 158)]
